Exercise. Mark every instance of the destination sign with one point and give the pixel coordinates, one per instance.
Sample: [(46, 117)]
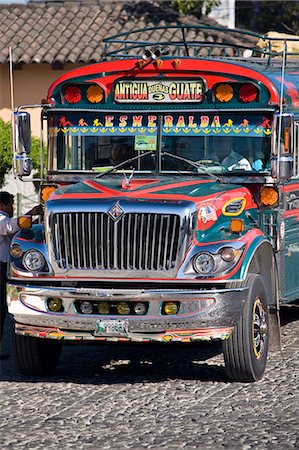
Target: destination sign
[(149, 91)]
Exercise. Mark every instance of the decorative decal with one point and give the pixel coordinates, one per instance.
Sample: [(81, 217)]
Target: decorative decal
[(208, 213), (234, 207), (173, 124), (166, 91)]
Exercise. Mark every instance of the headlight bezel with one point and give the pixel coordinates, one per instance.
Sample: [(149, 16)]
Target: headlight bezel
[(222, 264)]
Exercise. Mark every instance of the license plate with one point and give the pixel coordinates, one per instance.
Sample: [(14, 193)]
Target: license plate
[(111, 327)]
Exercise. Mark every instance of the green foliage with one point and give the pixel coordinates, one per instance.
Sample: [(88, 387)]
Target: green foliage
[(262, 16), (6, 154), (195, 6), (5, 150)]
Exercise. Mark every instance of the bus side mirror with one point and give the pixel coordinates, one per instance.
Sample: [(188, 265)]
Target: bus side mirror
[(24, 165), (284, 151), (22, 132)]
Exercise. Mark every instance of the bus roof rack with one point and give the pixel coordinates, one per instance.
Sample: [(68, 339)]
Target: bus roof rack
[(193, 41)]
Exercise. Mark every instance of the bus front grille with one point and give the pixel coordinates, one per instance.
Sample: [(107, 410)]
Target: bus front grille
[(93, 240)]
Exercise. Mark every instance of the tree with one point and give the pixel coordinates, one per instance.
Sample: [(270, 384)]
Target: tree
[(5, 150), (195, 6), (6, 154), (263, 16)]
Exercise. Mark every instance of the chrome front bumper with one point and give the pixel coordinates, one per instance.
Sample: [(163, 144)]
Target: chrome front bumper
[(203, 314)]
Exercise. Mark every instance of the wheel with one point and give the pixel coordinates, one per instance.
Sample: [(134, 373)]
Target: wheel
[(245, 351), (35, 356)]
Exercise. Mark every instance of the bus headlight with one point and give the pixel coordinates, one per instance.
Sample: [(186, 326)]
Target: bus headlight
[(208, 263), (33, 260), (204, 263)]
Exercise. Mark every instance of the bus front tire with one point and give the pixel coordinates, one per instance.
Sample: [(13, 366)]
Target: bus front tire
[(245, 351), (35, 356)]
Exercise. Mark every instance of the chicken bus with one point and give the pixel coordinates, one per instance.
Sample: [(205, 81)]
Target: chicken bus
[(171, 203)]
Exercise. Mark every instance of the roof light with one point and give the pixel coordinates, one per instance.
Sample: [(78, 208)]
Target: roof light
[(248, 92), (224, 92), (72, 94), (94, 94)]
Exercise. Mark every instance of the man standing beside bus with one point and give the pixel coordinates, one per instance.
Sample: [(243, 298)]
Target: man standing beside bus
[(8, 227)]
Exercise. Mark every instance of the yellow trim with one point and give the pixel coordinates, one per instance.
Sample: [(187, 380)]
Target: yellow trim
[(235, 213), (257, 354)]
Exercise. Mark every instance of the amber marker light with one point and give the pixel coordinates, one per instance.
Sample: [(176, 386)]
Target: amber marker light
[(224, 92), (236, 225), (268, 196), (25, 222), (158, 63), (94, 94), (140, 63), (176, 63), (16, 251), (286, 140), (47, 191)]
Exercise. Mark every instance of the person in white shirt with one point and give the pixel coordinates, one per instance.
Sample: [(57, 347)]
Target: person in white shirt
[(8, 227), (228, 157)]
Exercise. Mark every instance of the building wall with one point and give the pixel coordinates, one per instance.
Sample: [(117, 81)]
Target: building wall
[(31, 84)]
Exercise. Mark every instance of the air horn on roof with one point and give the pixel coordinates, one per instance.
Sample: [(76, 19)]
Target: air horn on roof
[(155, 52)]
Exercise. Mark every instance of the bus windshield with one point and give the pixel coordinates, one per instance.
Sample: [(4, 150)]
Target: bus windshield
[(224, 144)]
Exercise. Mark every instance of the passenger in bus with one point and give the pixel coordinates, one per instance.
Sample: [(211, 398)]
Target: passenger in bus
[(228, 157), (119, 153)]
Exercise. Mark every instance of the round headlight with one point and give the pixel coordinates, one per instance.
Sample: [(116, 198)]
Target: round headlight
[(140, 308), (86, 308), (33, 260), (204, 263), (228, 254)]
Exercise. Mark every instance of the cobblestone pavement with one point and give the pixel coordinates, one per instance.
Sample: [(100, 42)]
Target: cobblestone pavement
[(152, 397)]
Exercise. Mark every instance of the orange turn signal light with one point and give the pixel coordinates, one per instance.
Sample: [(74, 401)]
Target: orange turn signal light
[(95, 94), (236, 225), (224, 92), (25, 222), (47, 191), (268, 196)]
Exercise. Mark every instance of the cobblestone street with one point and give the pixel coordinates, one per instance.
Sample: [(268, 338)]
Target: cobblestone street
[(153, 397)]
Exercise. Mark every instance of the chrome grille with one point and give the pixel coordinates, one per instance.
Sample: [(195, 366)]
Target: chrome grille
[(93, 240)]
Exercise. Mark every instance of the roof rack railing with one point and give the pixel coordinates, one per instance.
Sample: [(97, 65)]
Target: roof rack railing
[(124, 45)]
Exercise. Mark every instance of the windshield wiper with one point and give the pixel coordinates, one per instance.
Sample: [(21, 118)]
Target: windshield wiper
[(123, 163), (195, 164)]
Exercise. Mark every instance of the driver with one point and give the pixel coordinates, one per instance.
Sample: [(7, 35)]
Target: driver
[(119, 153), (228, 157)]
